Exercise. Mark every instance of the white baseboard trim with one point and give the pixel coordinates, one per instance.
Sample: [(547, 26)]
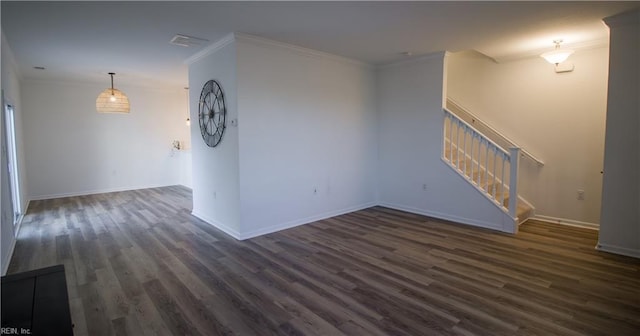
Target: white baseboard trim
[(283, 226), (5, 263), (98, 191), (222, 227), (635, 253), (447, 217), (568, 222), (14, 240), (302, 221)]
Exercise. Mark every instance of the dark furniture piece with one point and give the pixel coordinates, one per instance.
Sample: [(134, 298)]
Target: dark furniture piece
[(36, 303)]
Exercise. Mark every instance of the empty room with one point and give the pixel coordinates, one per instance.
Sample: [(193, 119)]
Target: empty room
[(320, 168)]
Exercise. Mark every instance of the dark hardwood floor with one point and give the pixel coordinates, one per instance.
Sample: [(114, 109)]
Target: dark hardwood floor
[(138, 263)]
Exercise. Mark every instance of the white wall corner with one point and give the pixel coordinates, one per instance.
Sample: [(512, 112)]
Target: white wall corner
[(623, 19), (629, 252), (211, 49), (220, 226), (10, 57)]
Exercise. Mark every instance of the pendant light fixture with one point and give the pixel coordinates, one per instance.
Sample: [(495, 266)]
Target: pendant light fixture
[(112, 100), (558, 55)]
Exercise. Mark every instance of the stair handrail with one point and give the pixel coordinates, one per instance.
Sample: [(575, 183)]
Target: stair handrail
[(484, 137), (511, 143)]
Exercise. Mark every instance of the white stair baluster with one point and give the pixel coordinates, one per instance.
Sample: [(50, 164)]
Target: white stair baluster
[(502, 190), (494, 170), (457, 143), (486, 169), (464, 151), (514, 156), (473, 140)]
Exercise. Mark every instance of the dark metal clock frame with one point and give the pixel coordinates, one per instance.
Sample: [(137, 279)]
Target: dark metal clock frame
[(212, 112)]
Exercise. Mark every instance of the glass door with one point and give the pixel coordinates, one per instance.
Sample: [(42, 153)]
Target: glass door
[(12, 161)]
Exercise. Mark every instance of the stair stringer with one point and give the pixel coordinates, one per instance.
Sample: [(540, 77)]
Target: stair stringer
[(507, 223), (518, 220)]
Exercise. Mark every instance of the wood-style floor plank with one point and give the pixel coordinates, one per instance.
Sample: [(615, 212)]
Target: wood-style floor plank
[(137, 263)]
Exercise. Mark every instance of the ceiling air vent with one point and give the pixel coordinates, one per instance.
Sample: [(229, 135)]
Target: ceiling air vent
[(187, 41)]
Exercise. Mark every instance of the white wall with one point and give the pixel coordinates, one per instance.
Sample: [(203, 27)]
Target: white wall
[(410, 126), (71, 149), (559, 117), (186, 168), (216, 193), (307, 128), (11, 91), (620, 226)]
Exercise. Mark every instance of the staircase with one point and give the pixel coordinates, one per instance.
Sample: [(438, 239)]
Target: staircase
[(482, 160)]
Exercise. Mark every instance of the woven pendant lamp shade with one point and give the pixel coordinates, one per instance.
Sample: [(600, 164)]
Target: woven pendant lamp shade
[(112, 100)]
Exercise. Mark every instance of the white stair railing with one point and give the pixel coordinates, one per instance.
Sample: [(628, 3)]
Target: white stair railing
[(487, 166), (490, 132)]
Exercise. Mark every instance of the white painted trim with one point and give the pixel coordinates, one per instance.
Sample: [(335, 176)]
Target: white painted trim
[(211, 49), (566, 221), (18, 225), (97, 191), (302, 221), (257, 40), (623, 19), (222, 227), (14, 240), (447, 217), (463, 110), (427, 57), (635, 253), (283, 226), (475, 187), (5, 263), (122, 84)]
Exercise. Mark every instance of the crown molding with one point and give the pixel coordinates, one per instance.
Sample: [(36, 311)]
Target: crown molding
[(623, 19), (419, 59), (257, 40), (211, 49)]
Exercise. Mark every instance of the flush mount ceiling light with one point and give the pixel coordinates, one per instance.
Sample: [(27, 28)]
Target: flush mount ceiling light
[(558, 55), (112, 100)]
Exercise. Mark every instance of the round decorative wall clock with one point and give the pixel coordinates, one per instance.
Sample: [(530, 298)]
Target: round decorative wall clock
[(211, 113)]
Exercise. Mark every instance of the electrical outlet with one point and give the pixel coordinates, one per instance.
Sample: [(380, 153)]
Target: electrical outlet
[(315, 190), (424, 187), (580, 195)]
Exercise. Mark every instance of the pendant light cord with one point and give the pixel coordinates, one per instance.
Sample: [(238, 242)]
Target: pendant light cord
[(112, 73)]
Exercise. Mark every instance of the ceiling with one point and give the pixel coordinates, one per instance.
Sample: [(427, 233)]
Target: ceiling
[(82, 41)]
